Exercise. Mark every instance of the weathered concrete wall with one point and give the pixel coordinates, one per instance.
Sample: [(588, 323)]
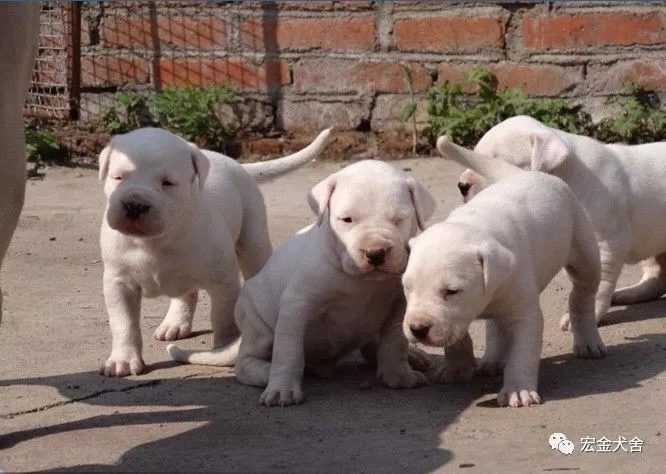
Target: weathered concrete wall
[(321, 62)]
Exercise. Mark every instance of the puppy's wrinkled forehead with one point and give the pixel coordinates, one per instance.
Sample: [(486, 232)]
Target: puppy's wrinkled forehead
[(381, 194), (151, 148), (444, 253)]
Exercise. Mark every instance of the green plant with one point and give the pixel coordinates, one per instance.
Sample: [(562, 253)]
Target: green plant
[(409, 110), (640, 120), (130, 111), (465, 120), (41, 146), (192, 113)]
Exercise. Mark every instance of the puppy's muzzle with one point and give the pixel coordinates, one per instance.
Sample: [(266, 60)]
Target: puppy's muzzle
[(419, 331), (376, 257), (134, 210), (464, 188)]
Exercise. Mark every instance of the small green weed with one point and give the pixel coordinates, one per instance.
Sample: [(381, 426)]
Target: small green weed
[(641, 119), (191, 112), (409, 110), (130, 111), (41, 147), (465, 120)]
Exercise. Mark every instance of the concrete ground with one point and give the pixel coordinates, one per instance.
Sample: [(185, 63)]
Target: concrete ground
[(57, 413)]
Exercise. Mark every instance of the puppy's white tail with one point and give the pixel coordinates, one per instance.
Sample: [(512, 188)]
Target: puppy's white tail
[(482, 164), (222, 356), (265, 170)]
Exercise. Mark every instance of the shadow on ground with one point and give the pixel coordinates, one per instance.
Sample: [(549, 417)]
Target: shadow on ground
[(348, 424)]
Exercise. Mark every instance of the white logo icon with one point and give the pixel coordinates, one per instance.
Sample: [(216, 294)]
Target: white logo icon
[(560, 442), (566, 446), (555, 439)]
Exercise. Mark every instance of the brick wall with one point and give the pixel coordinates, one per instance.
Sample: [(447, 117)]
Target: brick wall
[(316, 63)]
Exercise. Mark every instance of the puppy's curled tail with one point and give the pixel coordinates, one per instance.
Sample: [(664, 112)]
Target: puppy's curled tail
[(265, 170), (484, 165), (221, 356)]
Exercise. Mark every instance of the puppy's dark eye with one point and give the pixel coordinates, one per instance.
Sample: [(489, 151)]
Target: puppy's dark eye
[(166, 182), (346, 219), (449, 292), (117, 178)]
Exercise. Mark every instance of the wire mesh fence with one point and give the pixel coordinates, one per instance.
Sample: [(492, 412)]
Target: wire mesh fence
[(49, 95)]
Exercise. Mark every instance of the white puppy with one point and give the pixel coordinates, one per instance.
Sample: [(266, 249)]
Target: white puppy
[(622, 188), (490, 259), (19, 30), (179, 219), (333, 287)]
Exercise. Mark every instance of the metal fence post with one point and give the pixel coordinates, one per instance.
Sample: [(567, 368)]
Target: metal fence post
[(74, 69)]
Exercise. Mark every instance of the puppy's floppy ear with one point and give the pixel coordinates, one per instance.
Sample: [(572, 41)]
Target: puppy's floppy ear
[(497, 263), (320, 196), (548, 151), (424, 202), (103, 160), (201, 164)]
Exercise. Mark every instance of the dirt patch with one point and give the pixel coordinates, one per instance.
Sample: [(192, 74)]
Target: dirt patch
[(81, 142)]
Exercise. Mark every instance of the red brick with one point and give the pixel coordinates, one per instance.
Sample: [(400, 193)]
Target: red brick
[(462, 34), (537, 79), (534, 79), (100, 71), (593, 29), (237, 71), (611, 80), (330, 34), (197, 33), (339, 75), (454, 73)]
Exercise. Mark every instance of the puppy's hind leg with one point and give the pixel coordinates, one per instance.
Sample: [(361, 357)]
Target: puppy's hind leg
[(612, 261), (254, 244), (651, 287), (584, 269), (177, 323)]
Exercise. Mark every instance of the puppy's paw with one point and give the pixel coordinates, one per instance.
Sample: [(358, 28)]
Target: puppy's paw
[(590, 347), (418, 359), (451, 371), (490, 368), (173, 332), (282, 394), (121, 365), (516, 397), (403, 377), (565, 322)]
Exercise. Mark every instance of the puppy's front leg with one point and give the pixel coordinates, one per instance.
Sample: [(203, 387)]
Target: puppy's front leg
[(123, 304), (521, 374), (392, 355), (492, 362), (459, 364), (288, 361)]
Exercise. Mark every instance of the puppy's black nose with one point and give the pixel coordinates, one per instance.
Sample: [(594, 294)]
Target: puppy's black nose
[(419, 331), (375, 257), (133, 210), (464, 188)]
